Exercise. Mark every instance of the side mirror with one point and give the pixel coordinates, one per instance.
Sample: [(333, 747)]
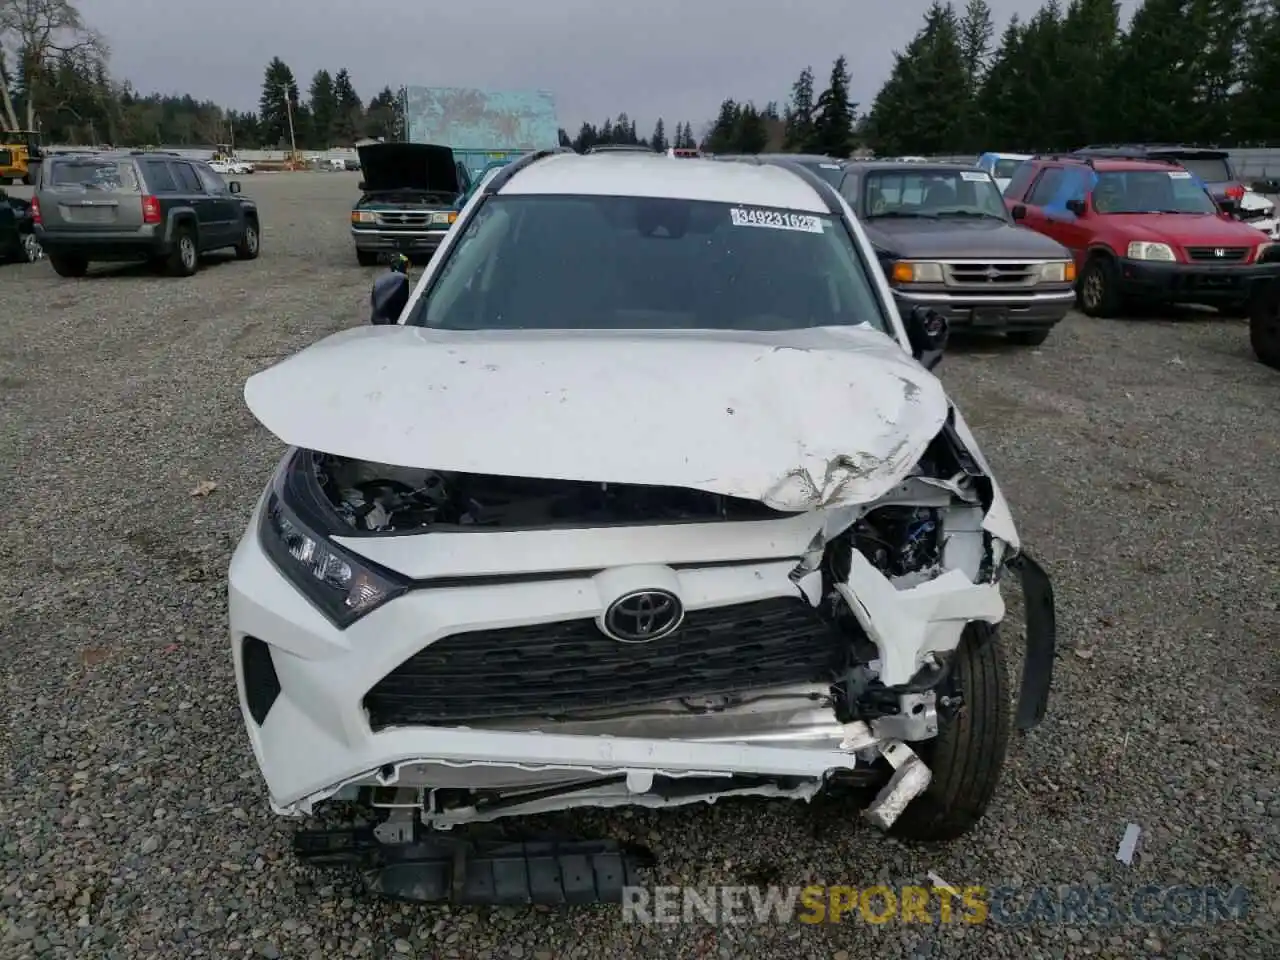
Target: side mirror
[(1076, 206), (1018, 211), (234, 186), (927, 332), (388, 298), (362, 186)]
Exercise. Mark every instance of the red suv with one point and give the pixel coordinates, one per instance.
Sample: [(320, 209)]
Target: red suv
[(1141, 230)]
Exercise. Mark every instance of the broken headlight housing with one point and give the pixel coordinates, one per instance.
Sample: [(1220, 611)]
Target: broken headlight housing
[(294, 532)]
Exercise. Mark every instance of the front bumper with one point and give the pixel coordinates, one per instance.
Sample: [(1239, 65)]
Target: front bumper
[(398, 241), (994, 313), (316, 736), (1199, 283)]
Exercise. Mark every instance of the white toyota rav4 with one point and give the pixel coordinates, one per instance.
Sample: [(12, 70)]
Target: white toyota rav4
[(643, 494)]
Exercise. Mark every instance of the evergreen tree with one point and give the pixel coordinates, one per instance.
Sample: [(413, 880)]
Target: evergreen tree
[(348, 118), (799, 117), (279, 96), (1255, 118), (323, 102), (659, 139), (833, 125)]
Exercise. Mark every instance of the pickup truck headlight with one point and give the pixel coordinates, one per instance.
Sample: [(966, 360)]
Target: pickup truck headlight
[(916, 271), (1148, 250), (1058, 271), (363, 216), (340, 585)]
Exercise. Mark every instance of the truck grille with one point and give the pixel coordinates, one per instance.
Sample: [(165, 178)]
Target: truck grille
[(559, 669), (406, 218), (971, 273), (1218, 254)]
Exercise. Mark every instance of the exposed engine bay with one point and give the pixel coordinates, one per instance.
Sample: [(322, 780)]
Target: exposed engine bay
[(377, 498)]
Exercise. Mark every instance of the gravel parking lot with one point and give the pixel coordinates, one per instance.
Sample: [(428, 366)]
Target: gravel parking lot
[(1141, 460)]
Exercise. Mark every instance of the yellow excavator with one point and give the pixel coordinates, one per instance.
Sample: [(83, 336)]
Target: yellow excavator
[(20, 155)]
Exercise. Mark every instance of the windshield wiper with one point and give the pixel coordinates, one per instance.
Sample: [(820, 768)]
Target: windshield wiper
[(900, 213), (980, 214)]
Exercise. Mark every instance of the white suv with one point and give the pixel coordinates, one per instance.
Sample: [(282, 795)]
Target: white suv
[(645, 494)]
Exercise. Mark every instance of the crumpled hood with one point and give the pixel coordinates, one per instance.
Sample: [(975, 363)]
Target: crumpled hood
[(796, 420)]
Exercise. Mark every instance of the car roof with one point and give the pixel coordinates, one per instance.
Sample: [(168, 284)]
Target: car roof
[(1145, 149), (655, 175), (999, 155), (906, 166), (1114, 164)]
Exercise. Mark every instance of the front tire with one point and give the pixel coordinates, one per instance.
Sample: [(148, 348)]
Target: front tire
[(184, 259), (367, 258), (250, 242), (30, 251), (967, 755), (69, 266), (1100, 288), (1264, 327)]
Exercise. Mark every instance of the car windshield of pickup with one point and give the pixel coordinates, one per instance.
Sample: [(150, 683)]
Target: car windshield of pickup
[(932, 194), (645, 263), (1150, 191)]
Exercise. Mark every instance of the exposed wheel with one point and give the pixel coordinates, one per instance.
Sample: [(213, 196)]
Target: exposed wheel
[(368, 258), (1028, 338), (967, 755), (1099, 288), (1264, 327), (31, 249), (68, 266), (247, 248), (184, 259)]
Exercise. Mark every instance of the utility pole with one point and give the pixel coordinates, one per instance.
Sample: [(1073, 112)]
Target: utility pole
[(293, 143), (231, 123)]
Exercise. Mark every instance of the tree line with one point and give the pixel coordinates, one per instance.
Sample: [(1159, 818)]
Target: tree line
[(1202, 71)]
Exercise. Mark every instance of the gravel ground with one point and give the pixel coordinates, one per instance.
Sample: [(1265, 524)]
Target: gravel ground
[(1140, 457)]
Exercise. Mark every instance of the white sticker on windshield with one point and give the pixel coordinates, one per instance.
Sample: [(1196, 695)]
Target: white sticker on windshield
[(829, 166), (1179, 175), (772, 219), (974, 176)]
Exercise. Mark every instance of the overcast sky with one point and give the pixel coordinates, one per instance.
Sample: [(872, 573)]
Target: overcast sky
[(672, 58)]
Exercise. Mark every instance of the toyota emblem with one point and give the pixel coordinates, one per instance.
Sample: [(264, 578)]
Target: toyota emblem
[(643, 615)]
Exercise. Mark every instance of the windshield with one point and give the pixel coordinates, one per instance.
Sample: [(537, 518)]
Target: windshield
[(1005, 169), (1208, 169), (640, 263), (91, 174), (933, 193), (1150, 191)]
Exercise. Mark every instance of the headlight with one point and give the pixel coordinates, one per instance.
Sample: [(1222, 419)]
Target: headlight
[(911, 271), (341, 586), (1058, 271), (363, 216), (1146, 250)]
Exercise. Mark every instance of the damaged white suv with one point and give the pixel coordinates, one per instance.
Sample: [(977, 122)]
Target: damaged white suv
[(644, 494)]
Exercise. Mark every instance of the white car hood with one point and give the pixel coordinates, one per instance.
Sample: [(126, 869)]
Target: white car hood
[(797, 420)]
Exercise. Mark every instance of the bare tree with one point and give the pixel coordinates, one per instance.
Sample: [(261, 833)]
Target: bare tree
[(33, 34)]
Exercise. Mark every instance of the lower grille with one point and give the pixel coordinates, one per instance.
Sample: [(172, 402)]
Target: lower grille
[(973, 273), (1219, 254), (560, 669)]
